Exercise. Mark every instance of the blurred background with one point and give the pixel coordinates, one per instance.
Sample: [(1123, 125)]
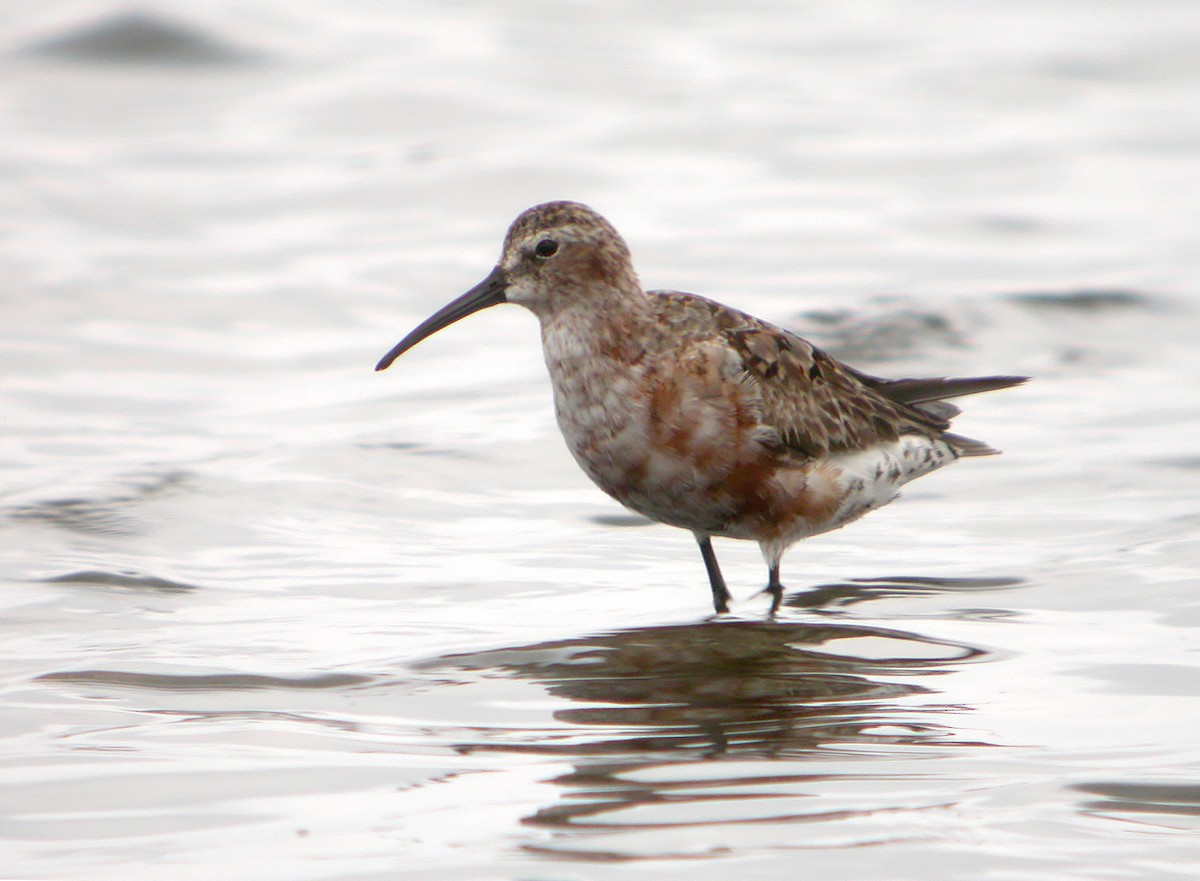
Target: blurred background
[(267, 611)]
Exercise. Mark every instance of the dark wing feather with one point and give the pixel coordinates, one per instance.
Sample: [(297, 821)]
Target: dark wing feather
[(921, 391), (815, 402)]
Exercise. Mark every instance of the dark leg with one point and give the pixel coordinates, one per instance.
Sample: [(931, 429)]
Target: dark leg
[(774, 587), (719, 591)]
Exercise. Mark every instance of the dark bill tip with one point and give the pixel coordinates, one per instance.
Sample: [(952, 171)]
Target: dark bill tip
[(488, 292)]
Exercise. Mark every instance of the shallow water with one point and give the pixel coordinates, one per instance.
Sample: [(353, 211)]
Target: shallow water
[(271, 614)]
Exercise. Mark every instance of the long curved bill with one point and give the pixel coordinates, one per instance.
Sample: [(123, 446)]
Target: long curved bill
[(488, 292)]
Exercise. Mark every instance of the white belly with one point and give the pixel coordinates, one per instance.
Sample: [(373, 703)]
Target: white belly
[(872, 478)]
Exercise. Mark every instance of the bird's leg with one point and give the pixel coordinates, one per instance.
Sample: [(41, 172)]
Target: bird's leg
[(719, 591), (774, 587)]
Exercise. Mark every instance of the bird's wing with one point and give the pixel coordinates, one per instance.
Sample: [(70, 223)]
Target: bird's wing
[(808, 400)]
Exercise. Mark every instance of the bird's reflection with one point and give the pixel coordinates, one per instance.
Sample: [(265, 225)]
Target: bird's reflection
[(731, 726), (761, 687)]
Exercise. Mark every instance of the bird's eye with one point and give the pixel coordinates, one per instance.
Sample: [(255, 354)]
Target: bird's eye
[(546, 248)]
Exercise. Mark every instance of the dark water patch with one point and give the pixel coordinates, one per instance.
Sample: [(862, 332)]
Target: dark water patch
[(858, 590), (104, 515), (80, 515), (204, 681), (1085, 300), (416, 449), (721, 687), (1186, 463), (140, 38), (1180, 799), (1011, 224), (127, 580), (623, 520), (898, 330)]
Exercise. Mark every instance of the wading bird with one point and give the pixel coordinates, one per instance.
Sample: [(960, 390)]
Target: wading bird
[(702, 417)]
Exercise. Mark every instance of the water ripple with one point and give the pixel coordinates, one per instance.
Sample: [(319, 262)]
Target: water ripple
[(128, 580), (204, 681), (140, 38)]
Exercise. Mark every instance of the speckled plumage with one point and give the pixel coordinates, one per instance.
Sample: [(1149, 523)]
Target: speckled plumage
[(703, 417)]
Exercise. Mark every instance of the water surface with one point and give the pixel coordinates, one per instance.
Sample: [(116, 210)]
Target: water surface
[(268, 613)]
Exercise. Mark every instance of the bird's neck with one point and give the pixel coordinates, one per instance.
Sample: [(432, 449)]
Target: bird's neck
[(600, 333)]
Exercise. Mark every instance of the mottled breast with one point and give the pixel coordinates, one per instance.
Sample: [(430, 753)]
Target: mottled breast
[(662, 434)]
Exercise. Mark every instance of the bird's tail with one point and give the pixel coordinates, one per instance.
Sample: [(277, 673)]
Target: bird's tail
[(922, 391), (928, 397)]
